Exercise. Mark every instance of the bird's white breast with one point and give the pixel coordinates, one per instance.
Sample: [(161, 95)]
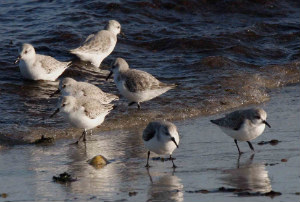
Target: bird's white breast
[(246, 132), (79, 119)]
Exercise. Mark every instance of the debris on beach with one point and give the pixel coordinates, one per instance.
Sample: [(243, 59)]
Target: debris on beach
[(202, 191), (271, 194), (63, 178), (132, 193), (162, 159), (44, 140), (98, 161), (224, 189), (4, 195), (284, 160), (271, 142), (271, 164), (220, 189), (239, 192)]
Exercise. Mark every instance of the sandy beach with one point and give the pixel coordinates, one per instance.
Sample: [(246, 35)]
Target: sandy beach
[(207, 160)]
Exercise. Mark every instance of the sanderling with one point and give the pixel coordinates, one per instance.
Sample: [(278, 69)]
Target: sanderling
[(84, 113), (71, 87), (136, 85), (161, 137), (243, 125), (39, 67), (98, 46)]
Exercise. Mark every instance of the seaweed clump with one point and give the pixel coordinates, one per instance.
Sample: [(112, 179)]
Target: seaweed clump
[(63, 178), (44, 140)]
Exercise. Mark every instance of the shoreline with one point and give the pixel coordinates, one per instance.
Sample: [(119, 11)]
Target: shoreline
[(28, 135)]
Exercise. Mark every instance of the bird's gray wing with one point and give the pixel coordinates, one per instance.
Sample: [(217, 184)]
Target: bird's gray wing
[(50, 64), (99, 42), (94, 108), (88, 38), (136, 80), (149, 132), (233, 120)]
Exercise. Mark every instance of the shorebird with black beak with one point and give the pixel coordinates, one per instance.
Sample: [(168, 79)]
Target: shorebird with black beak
[(161, 137)]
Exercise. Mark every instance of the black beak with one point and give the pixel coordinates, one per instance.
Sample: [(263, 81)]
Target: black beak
[(56, 92), (17, 60), (265, 122), (110, 73), (123, 35), (56, 111), (173, 140)]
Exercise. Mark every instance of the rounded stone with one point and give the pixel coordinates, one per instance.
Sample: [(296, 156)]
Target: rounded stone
[(98, 161)]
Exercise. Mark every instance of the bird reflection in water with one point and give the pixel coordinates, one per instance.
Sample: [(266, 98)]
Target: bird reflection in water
[(165, 188), (249, 176)]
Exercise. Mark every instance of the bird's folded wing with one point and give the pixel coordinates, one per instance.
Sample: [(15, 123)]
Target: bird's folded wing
[(149, 132), (136, 80), (233, 120), (94, 44), (94, 108), (50, 64)]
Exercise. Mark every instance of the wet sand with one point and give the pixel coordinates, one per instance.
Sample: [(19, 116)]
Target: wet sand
[(206, 159)]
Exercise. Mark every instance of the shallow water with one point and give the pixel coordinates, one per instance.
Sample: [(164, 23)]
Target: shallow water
[(206, 159), (224, 54)]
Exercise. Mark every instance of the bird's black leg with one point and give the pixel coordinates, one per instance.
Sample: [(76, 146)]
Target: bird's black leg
[(131, 103), (235, 141), (172, 159), (149, 176), (139, 106), (147, 165), (250, 145), (238, 161), (84, 135)]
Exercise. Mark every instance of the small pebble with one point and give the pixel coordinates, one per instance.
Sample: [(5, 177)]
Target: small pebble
[(98, 161), (4, 195), (284, 160)]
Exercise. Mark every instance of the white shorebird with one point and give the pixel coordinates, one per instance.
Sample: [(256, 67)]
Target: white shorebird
[(243, 125), (161, 137), (71, 87), (98, 46), (135, 85), (84, 113), (39, 67)]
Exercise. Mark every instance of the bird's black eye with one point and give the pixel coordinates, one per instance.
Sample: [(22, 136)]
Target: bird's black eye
[(257, 117), (118, 27), (64, 86), (26, 52), (63, 105)]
